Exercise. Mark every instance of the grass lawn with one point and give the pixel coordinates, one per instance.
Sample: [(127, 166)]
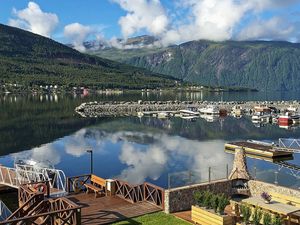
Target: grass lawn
[(159, 218)]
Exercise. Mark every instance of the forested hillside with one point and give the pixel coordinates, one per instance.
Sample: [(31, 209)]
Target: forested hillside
[(28, 59), (258, 64)]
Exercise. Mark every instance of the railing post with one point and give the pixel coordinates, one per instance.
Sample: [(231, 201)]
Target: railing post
[(68, 185), (169, 181), (209, 174), (190, 177), (78, 217), (144, 189), (48, 188), (276, 178), (227, 171)]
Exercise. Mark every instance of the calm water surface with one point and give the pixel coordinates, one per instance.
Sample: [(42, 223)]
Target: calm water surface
[(45, 128)]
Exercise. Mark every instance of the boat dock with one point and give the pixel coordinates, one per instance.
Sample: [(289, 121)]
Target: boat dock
[(258, 150), (131, 108)]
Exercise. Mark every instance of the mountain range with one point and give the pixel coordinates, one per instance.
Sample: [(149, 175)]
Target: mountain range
[(262, 65), (30, 60)]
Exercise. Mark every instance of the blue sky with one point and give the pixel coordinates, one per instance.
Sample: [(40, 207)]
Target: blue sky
[(86, 12), (173, 21)]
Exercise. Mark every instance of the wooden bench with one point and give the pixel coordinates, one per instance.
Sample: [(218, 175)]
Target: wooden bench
[(97, 185), (286, 199)]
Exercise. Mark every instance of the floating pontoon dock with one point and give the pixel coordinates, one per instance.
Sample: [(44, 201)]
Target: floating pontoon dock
[(258, 150)]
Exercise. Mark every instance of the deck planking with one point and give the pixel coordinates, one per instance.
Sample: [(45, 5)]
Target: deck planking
[(109, 209)]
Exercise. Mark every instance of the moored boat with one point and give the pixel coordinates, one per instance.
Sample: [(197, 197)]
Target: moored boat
[(261, 117), (237, 110), (287, 119), (210, 110)]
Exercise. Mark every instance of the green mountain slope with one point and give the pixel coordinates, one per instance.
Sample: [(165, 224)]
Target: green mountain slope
[(29, 59), (258, 64)]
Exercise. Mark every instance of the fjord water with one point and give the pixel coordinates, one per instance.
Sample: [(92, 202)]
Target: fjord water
[(45, 128)]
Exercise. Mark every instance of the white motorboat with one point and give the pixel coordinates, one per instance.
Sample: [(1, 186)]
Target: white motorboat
[(210, 110), (261, 117)]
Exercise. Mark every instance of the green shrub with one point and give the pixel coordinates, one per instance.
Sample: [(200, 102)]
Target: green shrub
[(267, 219), (223, 202), (215, 202), (277, 220), (199, 198), (207, 197), (256, 216), (246, 212)]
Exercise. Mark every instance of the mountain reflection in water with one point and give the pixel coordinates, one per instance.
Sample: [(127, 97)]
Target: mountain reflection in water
[(133, 149), (148, 149)]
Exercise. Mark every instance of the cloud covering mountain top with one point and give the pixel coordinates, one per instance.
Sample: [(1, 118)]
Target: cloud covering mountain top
[(174, 22)]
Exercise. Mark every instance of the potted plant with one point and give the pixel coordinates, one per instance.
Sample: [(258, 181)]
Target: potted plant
[(207, 199), (215, 202), (267, 219), (257, 215), (246, 213), (222, 203), (199, 198), (210, 201), (266, 197), (277, 220)]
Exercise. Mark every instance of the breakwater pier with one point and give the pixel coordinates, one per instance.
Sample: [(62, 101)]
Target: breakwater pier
[(132, 108)]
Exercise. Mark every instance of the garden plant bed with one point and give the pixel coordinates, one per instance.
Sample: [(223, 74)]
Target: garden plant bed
[(207, 217)]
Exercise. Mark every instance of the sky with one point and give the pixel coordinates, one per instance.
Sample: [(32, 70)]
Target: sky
[(172, 21)]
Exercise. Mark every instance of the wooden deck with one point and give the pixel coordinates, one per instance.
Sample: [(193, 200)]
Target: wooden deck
[(109, 209)]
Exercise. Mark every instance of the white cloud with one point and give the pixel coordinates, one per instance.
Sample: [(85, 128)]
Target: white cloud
[(77, 34), (273, 29), (35, 20), (142, 14), (205, 19)]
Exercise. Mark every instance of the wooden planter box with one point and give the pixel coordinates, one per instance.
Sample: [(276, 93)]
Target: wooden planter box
[(205, 217)]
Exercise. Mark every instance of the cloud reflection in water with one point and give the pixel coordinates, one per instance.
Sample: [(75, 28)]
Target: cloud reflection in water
[(140, 156)]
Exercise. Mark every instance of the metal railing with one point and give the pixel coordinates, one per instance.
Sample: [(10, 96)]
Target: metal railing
[(4, 211), (281, 176), (191, 177), (23, 174), (57, 178)]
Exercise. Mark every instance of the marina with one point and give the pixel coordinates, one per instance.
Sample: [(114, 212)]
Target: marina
[(99, 109)]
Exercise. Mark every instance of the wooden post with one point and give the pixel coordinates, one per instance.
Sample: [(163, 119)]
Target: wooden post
[(68, 185), (78, 217), (48, 188)]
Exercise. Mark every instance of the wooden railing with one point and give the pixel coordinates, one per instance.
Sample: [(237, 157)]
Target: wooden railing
[(76, 183), (154, 194), (36, 209), (62, 217), (129, 192), (27, 206), (138, 193), (26, 191)]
